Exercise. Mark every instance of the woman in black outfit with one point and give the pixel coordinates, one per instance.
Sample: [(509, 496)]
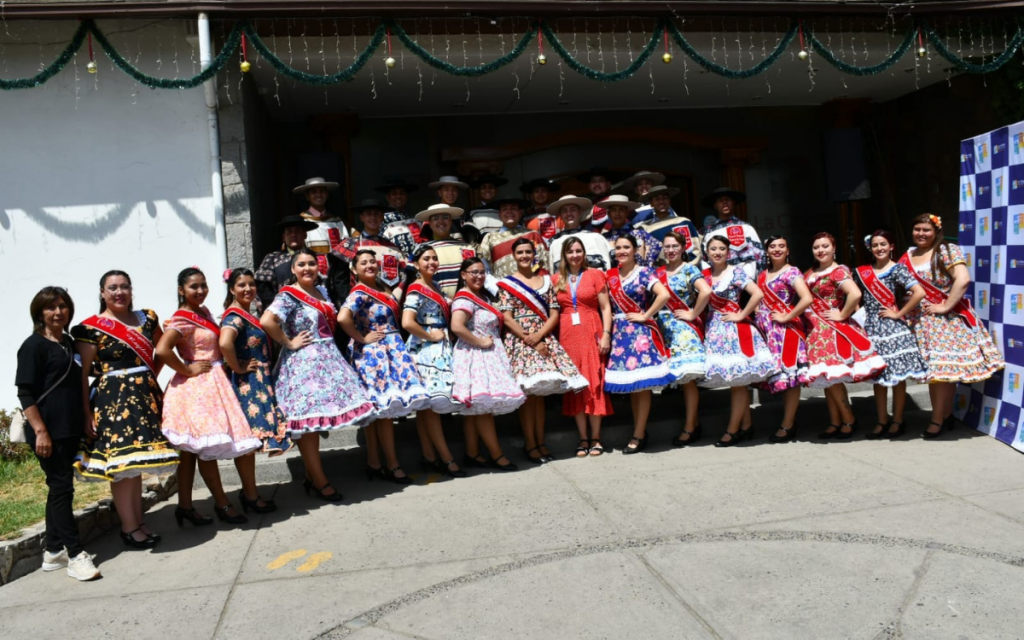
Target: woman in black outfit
[(50, 390)]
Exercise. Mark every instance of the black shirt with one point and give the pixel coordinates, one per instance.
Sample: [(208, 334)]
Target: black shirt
[(41, 363)]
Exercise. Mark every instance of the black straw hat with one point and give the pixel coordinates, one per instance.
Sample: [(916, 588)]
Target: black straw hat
[(737, 196)]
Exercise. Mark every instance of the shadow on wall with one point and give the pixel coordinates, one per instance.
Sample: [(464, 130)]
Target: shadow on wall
[(105, 220)]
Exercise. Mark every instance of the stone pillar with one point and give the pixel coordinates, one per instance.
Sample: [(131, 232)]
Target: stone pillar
[(734, 166), (237, 214)]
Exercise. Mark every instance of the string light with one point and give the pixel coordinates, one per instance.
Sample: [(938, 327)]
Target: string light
[(91, 66), (245, 66), (541, 58), (802, 54), (667, 56), (389, 62)]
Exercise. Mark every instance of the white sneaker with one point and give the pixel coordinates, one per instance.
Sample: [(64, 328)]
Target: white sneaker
[(81, 568), (54, 561)]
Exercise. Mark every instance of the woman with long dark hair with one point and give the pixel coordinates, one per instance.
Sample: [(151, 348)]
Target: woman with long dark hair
[(891, 293), (122, 425), (202, 417), (49, 381), (955, 344), (317, 389)]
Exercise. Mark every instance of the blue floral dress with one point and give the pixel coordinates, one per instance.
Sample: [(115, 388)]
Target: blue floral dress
[(635, 364), (893, 339), (687, 360), (433, 359), (385, 367), (254, 390), (316, 389), (728, 366)]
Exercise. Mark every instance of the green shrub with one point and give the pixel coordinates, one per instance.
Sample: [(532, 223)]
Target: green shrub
[(11, 450)]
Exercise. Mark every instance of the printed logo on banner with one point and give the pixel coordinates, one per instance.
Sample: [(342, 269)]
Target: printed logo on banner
[(989, 413), (997, 183), (967, 192), (1018, 223), (981, 152), (1012, 378), (1018, 142), (983, 228), (1014, 265)]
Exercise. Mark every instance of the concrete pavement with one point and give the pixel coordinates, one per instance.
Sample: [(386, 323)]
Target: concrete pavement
[(857, 539)]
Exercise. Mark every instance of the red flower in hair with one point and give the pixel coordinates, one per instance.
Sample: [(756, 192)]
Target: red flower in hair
[(227, 274)]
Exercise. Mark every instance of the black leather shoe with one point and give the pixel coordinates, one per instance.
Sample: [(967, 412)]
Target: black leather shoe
[(687, 437), (129, 540), (181, 515), (788, 435), (641, 444), (224, 516), (510, 466)]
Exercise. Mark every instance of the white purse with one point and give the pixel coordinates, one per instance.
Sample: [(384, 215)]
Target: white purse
[(19, 423)]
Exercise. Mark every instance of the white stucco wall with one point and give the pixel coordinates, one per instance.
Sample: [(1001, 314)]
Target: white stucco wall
[(116, 179)]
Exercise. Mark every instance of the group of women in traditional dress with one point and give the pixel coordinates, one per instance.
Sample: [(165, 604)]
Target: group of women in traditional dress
[(501, 346)]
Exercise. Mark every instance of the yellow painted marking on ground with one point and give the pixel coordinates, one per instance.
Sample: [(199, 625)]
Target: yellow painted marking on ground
[(434, 477), (285, 558), (313, 561)]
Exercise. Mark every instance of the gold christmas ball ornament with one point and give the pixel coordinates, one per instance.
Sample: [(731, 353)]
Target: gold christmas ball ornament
[(542, 59), (921, 52), (245, 66), (389, 62), (803, 55), (91, 67), (666, 57)]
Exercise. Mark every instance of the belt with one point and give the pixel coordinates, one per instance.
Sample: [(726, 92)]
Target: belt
[(213, 363), (125, 372), (619, 316)]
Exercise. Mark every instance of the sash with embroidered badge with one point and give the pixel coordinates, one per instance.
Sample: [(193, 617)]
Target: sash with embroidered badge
[(133, 339), (934, 295), (381, 297), (199, 320), (325, 309), (244, 315), (434, 296), (527, 295), (675, 303), (480, 302), (877, 288), (629, 305), (794, 331), (849, 337), (744, 328)]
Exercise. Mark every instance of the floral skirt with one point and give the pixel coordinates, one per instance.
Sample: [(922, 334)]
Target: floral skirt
[(687, 362), (954, 352), (635, 364), (434, 362)]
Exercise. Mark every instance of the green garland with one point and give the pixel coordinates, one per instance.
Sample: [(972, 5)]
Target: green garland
[(447, 67), (854, 70), (726, 72), (387, 25)]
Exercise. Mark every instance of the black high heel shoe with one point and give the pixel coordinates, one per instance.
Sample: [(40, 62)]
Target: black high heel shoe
[(845, 435), (691, 437), (327, 497), (224, 516), (641, 444), (538, 460), (894, 435), (129, 540), (734, 438), (374, 472), (431, 465), (268, 505), (826, 434), (883, 428), (181, 515), (479, 462), (398, 479), (509, 466), (788, 435), (155, 537), (453, 473), (546, 457), (931, 435)]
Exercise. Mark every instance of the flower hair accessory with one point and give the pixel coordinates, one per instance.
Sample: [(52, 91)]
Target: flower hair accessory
[(936, 220), (867, 242), (226, 275)]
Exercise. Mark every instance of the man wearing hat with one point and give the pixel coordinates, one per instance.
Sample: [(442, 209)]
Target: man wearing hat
[(744, 244), (599, 181), (496, 247), (665, 220), (619, 209), (399, 227), (451, 250), (330, 228), (275, 268), (484, 217), (574, 213), (536, 217), (389, 257), (640, 183), (448, 188)]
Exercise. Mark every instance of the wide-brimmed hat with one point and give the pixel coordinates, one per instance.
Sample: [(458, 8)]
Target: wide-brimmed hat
[(391, 182), (480, 181), (370, 203), (737, 196), (295, 221), (630, 183), (496, 204), (424, 216), (315, 182), (585, 205), (658, 190), (452, 180), (530, 185), (617, 200), (604, 172)]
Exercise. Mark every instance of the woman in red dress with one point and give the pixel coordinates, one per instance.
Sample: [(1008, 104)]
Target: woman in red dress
[(585, 332)]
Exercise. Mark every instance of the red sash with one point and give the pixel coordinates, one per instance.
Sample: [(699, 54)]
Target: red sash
[(244, 315), (133, 339), (199, 320), (794, 331), (935, 295), (435, 296), (628, 305), (675, 303), (324, 308), (381, 297), (877, 288), (848, 336), (504, 249), (480, 302), (744, 328), (525, 294)]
